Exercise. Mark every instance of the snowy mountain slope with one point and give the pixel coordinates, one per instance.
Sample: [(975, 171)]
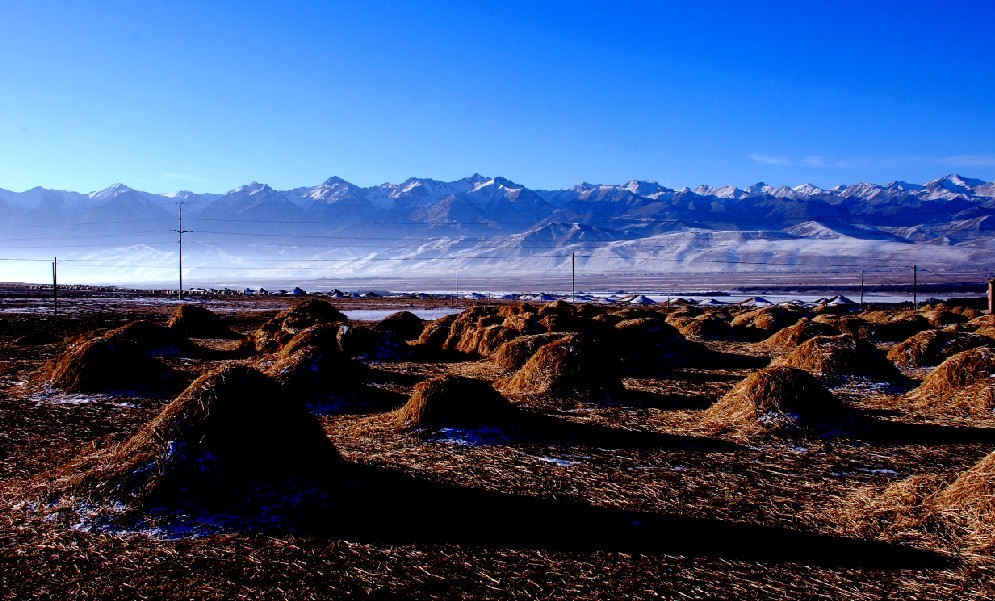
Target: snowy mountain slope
[(486, 224)]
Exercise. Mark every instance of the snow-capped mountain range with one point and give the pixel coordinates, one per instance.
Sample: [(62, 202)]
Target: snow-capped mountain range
[(487, 225)]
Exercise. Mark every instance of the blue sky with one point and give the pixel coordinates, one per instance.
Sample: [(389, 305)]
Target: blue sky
[(207, 96)]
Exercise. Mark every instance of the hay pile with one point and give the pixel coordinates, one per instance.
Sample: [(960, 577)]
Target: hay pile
[(790, 337), (153, 339), (286, 324), (759, 324), (473, 327), (846, 324), (372, 344), (453, 401), (561, 316), (683, 316), (969, 505), (890, 326), (513, 354), (194, 321), (230, 444), (105, 364), (983, 325), (479, 331), (312, 364), (941, 316), (403, 325), (713, 325), (780, 400), (933, 347), (836, 359), (649, 345), (572, 366), (963, 385), (436, 332)]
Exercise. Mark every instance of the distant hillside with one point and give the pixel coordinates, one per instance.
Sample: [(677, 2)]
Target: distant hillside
[(490, 225)]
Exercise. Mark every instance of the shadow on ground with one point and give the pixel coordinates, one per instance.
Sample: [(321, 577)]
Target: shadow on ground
[(390, 508)]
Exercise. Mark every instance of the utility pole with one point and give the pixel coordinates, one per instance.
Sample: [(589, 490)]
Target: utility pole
[(915, 287), (55, 283), (573, 278), (181, 231), (861, 289), (456, 296)]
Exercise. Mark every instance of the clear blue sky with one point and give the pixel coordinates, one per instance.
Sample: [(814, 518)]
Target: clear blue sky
[(207, 96)]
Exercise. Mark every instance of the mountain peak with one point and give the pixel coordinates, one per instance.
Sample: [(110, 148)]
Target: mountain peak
[(250, 189), (111, 191)]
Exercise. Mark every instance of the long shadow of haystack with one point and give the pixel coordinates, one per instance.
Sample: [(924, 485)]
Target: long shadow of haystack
[(881, 431), (528, 427), (386, 507)]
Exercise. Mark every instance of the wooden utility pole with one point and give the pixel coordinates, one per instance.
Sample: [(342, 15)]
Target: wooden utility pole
[(861, 289), (181, 231), (915, 287), (573, 277), (55, 283)]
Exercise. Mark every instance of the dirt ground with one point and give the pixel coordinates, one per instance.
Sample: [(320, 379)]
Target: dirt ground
[(629, 498)]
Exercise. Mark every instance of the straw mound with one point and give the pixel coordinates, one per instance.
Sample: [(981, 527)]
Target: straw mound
[(561, 316), (648, 345), (449, 400), (371, 344), (403, 325), (683, 315), (983, 326), (963, 384), (467, 330), (838, 358), (759, 324), (969, 504), (710, 326), (151, 338), (574, 365), (515, 353), (933, 347), (194, 321), (940, 316), (277, 331), (479, 331), (790, 337), (846, 324), (312, 364), (887, 326), (231, 440), (109, 365), (436, 332), (780, 400)]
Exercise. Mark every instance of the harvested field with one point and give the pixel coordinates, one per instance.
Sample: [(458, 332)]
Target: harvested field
[(712, 478)]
